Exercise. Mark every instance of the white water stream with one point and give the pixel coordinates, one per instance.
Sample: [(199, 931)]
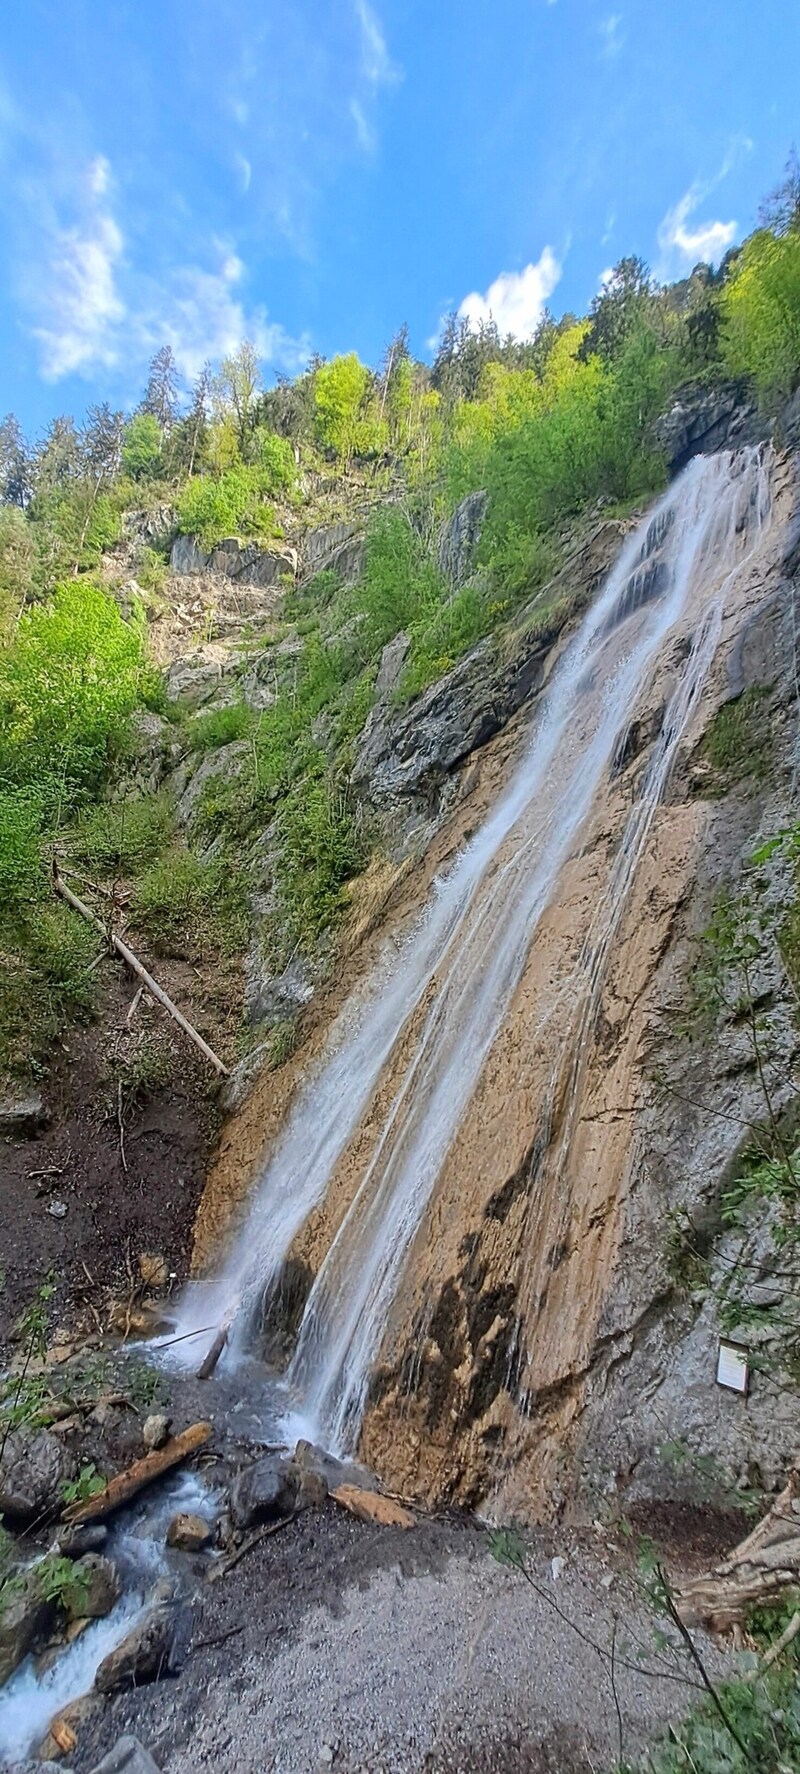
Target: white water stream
[(445, 992)]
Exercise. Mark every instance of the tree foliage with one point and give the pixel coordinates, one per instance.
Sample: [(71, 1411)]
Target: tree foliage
[(761, 312)]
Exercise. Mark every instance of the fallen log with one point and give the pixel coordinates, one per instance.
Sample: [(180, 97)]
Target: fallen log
[(128, 1484), (131, 960), (759, 1571), (209, 1362)]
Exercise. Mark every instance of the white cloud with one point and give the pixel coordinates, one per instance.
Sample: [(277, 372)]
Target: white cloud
[(244, 171), (516, 299), (79, 309), (611, 35), (376, 63), (682, 246), (89, 309), (365, 134)]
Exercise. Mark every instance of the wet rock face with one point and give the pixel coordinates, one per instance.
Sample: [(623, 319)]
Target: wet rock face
[(32, 1467), (25, 1621), (95, 1588), (189, 1533)]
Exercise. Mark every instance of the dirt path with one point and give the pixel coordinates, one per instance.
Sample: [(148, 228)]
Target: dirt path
[(368, 1649)]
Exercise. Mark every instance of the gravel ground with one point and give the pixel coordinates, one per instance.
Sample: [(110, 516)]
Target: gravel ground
[(368, 1650)]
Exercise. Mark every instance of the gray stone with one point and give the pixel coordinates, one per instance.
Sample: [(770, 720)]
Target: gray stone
[(74, 1542), (393, 659), (458, 543), (155, 1430), (150, 529), (223, 763), (337, 548), (153, 1648), (36, 1767), (128, 1756), (23, 1116), (187, 556), (95, 1590), (26, 1619), (32, 1467), (265, 1491), (703, 419), (189, 1533)]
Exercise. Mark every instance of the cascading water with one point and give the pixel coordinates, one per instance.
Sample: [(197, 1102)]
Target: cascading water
[(435, 1005)]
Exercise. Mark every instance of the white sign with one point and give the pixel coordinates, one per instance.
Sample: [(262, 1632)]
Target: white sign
[(732, 1368)]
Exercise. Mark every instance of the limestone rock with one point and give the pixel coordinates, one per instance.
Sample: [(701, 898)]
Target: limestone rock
[(128, 1756), (32, 1467), (150, 529), (23, 1116), (155, 1431), (222, 764), (25, 1619), (246, 562), (189, 1533), (390, 670), (95, 1589), (153, 1648), (337, 548), (265, 1491)]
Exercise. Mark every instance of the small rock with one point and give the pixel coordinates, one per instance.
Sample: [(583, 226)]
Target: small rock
[(152, 1649), (32, 1467), (128, 1756), (57, 1210), (156, 1430), (94, 1590), (153, 1269), (372, 1507), (263, 1492), (66, 1727), (556, 1567), (607, 1580), (23, 1116), (327, 1753), (312, 1491), (189, 1533)]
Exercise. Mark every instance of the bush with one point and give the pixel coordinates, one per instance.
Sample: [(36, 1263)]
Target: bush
[(760, 334), (68, 684), (402, 584), (44, 983), (190, 906), (276, 460), (321, 847), (232, 505), (340, 390), (122, 837), (21, 873), (220, 726)]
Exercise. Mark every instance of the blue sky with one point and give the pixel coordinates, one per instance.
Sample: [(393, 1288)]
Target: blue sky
[(314, 172)]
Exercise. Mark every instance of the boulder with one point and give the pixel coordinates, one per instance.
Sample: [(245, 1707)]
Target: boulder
[(370, 1506), (153, 1648), (187, 556), (155, 1431), (225, 762), (26, 1618), (32, 1467), (189, 1533), (337, 548), (74, 1542), (265, 1491), (128, 1756), (94, 1590), (458, 542), (390, 670), (23, 1116), (150, 529)]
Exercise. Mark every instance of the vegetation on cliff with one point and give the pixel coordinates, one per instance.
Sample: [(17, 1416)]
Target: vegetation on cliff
[(548, 427)]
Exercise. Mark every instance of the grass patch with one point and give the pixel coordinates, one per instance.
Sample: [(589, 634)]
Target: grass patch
[(122, 837), (323, 844), (220, 726), (45, 983)]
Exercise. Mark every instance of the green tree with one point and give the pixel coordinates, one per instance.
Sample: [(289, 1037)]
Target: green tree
[(237, 390), (141, 446), (340, 391), (760, 305)]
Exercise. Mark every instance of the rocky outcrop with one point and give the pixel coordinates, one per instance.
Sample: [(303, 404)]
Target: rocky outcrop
[(337, 548), (705, 418), (22, 1117), (245, 562), (458, 543)]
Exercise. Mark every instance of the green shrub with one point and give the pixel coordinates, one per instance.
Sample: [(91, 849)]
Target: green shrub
[(276, 460), (190, 906), (322, 846), (401, 584), (45, 982), (21, 873), (737, 743), (122, 837), (232, 505), (68, 684), (220, 726)]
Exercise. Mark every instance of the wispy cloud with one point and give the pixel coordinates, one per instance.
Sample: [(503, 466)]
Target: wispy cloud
[(377, 65), (516, 299), (244, 171), (89, 308), (682, 246), (365, 133), (611, 37)]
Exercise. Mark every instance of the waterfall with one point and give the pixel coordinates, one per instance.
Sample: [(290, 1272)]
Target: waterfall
[(406, 1054)]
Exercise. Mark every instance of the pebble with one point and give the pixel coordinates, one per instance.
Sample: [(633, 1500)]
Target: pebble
[(556, 1568), (57, 1210)]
